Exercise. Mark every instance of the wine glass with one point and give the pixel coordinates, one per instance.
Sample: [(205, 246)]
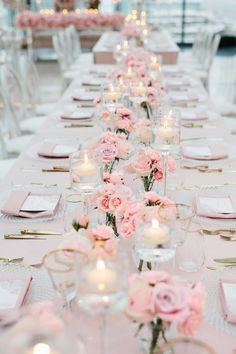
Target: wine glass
[(186, 346), (61, 266), (102, 290)]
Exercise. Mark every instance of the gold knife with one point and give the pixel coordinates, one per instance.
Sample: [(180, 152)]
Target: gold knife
[(78, 126), (39, 232), (11, 260), (22, 237), (225, 260)]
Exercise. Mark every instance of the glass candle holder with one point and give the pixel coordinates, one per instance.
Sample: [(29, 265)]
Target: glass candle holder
[(167, 131), (111, 95), (153, 244), (85, 171), (102, 288)]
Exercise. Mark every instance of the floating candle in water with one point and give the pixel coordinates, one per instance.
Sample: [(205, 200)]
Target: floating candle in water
[(41, 348), (156, 234), (86, 168), (101, 278)]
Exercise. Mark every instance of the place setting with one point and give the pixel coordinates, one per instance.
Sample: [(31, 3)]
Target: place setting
[(53, 149)]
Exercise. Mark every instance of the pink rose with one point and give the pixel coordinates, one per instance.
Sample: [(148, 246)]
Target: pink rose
[(154, 277), (103, 203), (158, 175), (139, 299), (115, 202), (197, 298), (114, 178), (101, 232), (191, 325), (170, 302)]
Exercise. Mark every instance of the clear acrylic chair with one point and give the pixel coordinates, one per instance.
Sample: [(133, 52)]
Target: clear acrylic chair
[(15, 96)]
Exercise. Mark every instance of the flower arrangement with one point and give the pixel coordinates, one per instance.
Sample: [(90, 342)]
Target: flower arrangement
[(147, 164), (143, 131), (122, 120), (109, 198), (115, 177), (129, 215), (153, 200), (93, 243), (158, 300), (111, 147), (28, 19)]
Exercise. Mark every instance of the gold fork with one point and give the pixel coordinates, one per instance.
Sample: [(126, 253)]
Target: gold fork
[(11, 260)]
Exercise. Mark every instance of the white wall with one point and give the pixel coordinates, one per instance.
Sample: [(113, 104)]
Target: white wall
[(226, 8)]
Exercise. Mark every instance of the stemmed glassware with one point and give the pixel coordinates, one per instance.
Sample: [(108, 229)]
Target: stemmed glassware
[(102, 290), (85, 174), (167, 138), (61, 266)]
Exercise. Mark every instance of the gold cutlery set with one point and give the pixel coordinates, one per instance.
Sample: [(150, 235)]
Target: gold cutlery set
[(206, 168), (72, 125), (28, 234), (56, 169)]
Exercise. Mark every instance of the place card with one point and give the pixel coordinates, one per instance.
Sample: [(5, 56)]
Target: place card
[(228, 292), (12, 292), (203, 151), (35, 203), (64, 149), (221, 205)]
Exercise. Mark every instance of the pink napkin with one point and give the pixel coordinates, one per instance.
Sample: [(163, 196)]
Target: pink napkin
[(75, 116), (46, 150), (225, 298), (217, 152), (17, 198), (213, 210), (194, 115)]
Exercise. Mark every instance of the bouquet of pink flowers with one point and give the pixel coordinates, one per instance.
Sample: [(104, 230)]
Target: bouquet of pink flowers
[(158, 299), (114, 178), (94, 243), (122, 120), (147, 164), (166, 207), (109, 198), (129, 215), (111, 147)]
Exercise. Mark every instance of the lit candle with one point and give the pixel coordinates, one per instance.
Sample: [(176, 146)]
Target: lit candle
[(86, 168), (139, 90), (156, 234), (166, 131), (111, 95), (129, 73), (154, 65), (102, 278), (41, 348), (126, 45)]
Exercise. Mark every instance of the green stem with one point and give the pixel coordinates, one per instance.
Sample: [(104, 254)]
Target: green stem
[(156, 330), (140, 266)]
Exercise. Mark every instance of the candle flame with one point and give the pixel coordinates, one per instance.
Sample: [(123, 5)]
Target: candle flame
[(126, 44), (155, 223), (165, 124), (129, 70), (170, 114), (100, 265), (121, 81), (118, 47), (112, 88), (86, 158), (41, 348), (154, 59), (140, 84)]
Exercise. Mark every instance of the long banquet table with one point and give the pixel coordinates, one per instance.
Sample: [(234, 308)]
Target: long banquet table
[(160, 43), (27, 172)]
